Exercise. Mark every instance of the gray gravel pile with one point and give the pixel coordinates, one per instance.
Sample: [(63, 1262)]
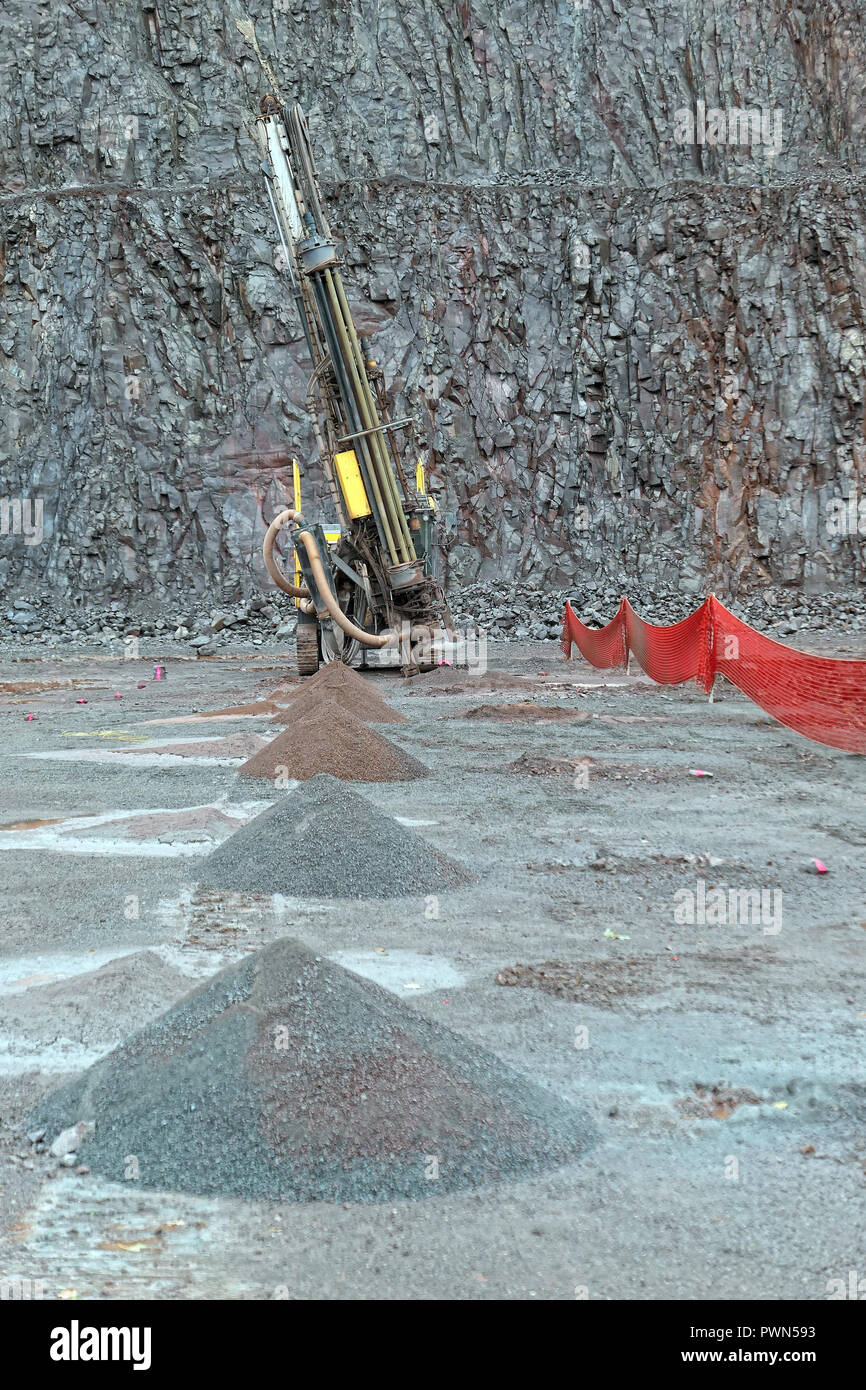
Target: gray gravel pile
[(288, 1078), (84, 1009), (322, 840)]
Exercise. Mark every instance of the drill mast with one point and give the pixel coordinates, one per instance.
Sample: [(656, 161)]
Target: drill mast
[(383, 565)]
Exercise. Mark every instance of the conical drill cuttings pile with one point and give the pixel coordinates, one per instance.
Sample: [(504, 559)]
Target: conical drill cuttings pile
[(286, 1077)]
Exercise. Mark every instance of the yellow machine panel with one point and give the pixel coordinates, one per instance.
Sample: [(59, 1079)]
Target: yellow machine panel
[(296, 480), (421, 485), (351, 484)]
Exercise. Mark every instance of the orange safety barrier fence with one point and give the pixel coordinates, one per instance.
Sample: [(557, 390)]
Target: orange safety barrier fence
[(823, 698)]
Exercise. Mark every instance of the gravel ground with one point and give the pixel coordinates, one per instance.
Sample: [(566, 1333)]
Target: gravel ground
[(720, 1062)]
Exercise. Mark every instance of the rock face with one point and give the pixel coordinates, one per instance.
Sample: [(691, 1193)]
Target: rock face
[(633, 343)]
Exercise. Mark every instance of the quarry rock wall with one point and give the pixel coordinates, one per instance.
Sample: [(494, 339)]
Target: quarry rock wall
[(611, 256)]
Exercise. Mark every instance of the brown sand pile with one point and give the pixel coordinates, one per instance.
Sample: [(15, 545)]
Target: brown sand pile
[(362, 701), (282, 694), (355, 694), (522, 710), (335, 673), (327, 738), (189, 825)]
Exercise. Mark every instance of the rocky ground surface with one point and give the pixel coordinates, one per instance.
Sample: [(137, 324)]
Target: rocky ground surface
[(718, 1060), (505, 611)]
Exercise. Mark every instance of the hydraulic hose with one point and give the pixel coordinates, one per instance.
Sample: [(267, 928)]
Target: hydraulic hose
[(369, 639), (296, 590), (308, 541)]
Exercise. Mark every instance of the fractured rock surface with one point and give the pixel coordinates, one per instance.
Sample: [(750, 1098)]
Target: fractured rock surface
[(633, 354)]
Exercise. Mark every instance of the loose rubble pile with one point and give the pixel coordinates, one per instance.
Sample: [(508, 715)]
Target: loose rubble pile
[(115, 625), (522, 711), (288, 1078), (532, 612), (80, 1010), (322, 840), (504, 610), (451, 680)]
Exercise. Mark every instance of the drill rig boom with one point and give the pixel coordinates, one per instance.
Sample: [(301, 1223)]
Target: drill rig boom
[(380, 575)]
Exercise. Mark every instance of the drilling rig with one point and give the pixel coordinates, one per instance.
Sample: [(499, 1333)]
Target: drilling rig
[(375, 588)]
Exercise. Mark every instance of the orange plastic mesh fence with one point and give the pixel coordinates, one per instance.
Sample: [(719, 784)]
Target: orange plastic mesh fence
[(823, 698)]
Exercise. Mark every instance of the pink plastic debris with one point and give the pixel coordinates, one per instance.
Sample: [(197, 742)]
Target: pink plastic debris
[(117, 695), (81, 702), (820, 866), (699, 772), (30, 717)]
